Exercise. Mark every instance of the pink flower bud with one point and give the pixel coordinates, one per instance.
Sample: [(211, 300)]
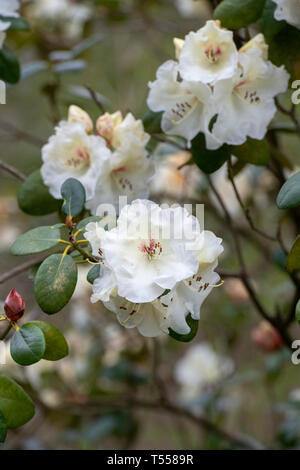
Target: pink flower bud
[(266, 337), (14, 306)]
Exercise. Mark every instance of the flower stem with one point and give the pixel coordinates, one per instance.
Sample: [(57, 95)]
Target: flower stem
[(3, 336)]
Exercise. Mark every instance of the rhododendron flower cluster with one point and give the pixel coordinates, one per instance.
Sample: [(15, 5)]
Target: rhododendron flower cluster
[(288, 10), (213, 88), (110, 163), (157, 266)]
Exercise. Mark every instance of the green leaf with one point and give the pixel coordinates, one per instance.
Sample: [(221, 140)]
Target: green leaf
[(15, 405), (93, 273), (16, 23), (268, 24), (37, 240), (55, 282), (27, 345), (84, 222), (284, 49), (253, 151), (34, 197), (293, 259), (193, 324), (298, 312), (73, 194), (208, 160), (3, 428), (152, 122), (56, 345), (9, 66), (289, 195), (236, 14)]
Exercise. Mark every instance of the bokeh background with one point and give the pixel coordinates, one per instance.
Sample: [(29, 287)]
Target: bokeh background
[(114, 47)]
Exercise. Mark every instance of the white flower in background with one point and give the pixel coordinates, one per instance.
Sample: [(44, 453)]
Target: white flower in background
[(128, 170), (151, 251), (65, 15), (9, 8), (208, 55), (186, 105), (201, 368), (71, 152), (245, 103), (288, 10), (190, 8)]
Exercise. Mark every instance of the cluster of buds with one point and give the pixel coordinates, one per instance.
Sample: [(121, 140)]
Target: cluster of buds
[(14, 306)]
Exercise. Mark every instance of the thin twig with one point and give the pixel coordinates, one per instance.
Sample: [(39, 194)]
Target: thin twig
[(13, 171), (22, 268), (95, 98), (289, 112), (17, 133)]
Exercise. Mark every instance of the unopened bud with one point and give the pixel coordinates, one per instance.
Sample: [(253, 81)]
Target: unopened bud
[(77, 114), (259, 42), (266, 337), (14, 306), (106, 124), (69, 222), (178, 43)]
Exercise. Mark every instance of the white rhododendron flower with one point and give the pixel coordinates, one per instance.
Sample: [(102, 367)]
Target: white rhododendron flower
[(150, 252), (9, 8), (186, 105), (245, 103), (208, 54), (288, 10), (201, 368), (67, 15), (128, 170), (212, 88), (71, 152)]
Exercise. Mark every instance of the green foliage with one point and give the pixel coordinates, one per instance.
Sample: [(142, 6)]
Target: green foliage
[(298, 311), (16, 23), (55, 282), (56, 345), (293, 259), (253, 151), (268, 24), (73, 194), (236, 14), (15, 405), (27, 345), (37, 240), (10, 70), (34, 197), (3, 428), (151, 122), (208, 160), (193, 324), (284, 49), (289, 195), (93, 273)]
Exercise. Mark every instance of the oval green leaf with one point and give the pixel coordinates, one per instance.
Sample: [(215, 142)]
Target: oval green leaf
[(293, 259), (27, 345), (152, 122), (93, 273), (16, 23), (56, 345), (208, 161), (15, 405), (10, 70), (73, 194), (193, 324), (37, 240), (34, 197), (55, 282), (236, 14), (289, 195), (256, 152)]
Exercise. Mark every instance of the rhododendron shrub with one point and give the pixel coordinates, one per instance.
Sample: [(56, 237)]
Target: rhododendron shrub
[(158, 210)]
